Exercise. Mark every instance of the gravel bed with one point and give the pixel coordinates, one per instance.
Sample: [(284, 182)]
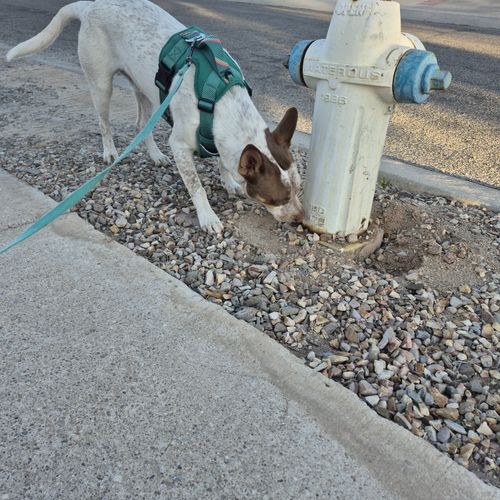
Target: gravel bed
[(413, 330)]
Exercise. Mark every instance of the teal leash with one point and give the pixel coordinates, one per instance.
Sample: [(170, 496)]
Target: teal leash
[(73, 198)]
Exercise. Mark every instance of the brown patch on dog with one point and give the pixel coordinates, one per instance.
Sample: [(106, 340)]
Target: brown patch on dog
[(279, 141), (263, 178)]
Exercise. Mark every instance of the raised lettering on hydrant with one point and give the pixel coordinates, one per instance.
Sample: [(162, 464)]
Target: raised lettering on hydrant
[(363, 68)]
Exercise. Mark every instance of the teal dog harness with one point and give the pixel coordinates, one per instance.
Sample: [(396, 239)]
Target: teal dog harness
[(216, 73)]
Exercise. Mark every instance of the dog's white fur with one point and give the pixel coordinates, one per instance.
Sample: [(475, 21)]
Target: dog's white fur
[(126, 36)]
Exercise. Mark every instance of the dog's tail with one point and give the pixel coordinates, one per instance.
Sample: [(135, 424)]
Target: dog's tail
[(49, 35)]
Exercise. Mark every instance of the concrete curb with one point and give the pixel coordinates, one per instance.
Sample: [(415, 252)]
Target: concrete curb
[(426, 181), (406, 466)]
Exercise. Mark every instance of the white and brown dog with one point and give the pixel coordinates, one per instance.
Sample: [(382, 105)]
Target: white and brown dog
[(126, 36)]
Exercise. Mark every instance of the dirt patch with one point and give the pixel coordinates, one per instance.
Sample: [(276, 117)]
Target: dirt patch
[(447, 248), (444, 250), (262, 231)]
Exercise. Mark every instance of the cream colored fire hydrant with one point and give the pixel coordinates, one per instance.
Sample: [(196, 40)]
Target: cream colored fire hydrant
[(363, 68)]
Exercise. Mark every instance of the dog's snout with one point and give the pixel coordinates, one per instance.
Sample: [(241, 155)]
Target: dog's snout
[(299, 217)]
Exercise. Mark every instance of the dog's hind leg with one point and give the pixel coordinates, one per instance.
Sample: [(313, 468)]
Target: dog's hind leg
[(144, 113), (100, 78), (140, 111)]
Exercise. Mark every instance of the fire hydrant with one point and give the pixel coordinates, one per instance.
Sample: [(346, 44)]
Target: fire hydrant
[(363, 68)]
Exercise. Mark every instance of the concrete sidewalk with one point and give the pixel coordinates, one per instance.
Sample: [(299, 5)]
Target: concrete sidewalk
[(117, 381), (477, 13)]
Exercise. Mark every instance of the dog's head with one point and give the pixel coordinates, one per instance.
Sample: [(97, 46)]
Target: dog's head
[(274, 181)]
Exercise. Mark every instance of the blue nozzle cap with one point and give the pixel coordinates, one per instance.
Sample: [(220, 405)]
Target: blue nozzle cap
[(296, 59), (416, 75)]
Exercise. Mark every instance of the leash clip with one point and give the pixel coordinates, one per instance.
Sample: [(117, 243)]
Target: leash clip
[(196, 39), (189, 58), (193, 42)]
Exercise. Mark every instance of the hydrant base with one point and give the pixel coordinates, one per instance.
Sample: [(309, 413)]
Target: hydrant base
[(361, 249)]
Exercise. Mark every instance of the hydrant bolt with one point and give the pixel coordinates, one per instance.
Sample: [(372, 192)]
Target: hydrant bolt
[(440, 80)]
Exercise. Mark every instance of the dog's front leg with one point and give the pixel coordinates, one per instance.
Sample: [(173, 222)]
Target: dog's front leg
[(231, 185), (183, 156)]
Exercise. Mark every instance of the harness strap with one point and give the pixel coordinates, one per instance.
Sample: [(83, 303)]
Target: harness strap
[(178, 51), (206, 105), (216, 73)]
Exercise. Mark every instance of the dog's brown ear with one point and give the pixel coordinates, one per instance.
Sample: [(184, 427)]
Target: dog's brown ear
[(251, 163), (279, 141), (286, 128)]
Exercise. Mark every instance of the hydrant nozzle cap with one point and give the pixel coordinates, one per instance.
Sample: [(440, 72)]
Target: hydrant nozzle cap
[(296, 59), (416, 75)]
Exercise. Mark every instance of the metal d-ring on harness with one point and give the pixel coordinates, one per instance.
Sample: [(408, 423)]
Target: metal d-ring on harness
[(216, 73), (72, 199)]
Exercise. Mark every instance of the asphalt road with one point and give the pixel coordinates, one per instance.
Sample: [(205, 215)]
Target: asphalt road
[(458, 132)]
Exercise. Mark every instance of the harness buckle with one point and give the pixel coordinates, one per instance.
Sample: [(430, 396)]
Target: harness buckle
[(206, 105)]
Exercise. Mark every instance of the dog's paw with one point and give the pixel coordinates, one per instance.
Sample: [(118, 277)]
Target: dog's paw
[(232, 187), (160, 160), (210, 223), (109, 156)]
